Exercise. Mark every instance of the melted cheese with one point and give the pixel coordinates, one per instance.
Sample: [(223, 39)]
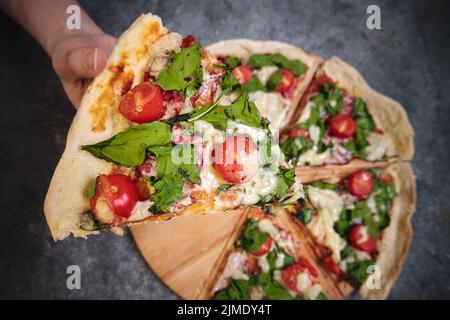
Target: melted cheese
[(262, 184), (235, 268), (263, 263), (312, 158), (273, 106), (377, 147), (140, 211), (329, 206), (282, 238), (306, 113), (314, 133), (265, 73)]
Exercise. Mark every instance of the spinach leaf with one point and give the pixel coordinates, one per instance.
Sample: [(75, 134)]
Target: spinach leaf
[(273, 255), (225, 187), (232, 62), (323, 185), (272, 289), (244, 111), (228, 83), (90, 191), (184, 73), (217, 116), (356, 270), (168, 190), (252, 238), (127, 148), (185, 166), (285, 180), (253, 85), (304, 214), (296, 66), (257, 61), (364, 125), (293, 148), (237, 290), (274, 80)]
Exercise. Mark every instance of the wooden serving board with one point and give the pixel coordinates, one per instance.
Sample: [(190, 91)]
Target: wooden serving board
[(182, 252)]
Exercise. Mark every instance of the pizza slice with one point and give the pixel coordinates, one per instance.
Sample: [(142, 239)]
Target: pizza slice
[(362, 220), (164, 130), (267, 258), (342, 120), (275, 74)]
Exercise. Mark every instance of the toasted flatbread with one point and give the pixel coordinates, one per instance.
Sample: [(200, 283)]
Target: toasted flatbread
[(245, 48), (97, 119), (333, 288), (397, 237)]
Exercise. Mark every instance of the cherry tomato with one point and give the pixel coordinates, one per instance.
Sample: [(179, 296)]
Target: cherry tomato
[(118, 192), (361, 240), (360, 183), (144, 103), (252, 265), (188, 41), (291, 273), (343, 126), (236, 159), (264, 248), (243, 74), (298, 132), (287, 81), (329, 262)]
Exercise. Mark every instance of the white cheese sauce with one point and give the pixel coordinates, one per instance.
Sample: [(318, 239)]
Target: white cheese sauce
[(273, 106)]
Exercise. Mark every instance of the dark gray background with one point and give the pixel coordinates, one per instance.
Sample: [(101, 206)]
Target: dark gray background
[(408, 60)]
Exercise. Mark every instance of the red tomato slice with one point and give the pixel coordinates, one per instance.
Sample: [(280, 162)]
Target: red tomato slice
[(188, 41), (360, 183), (243, 74), (361, 240), (298, 132), (236, 159), (264, 248), (118, 192), (343, 126), (144, 103), (287, 81), (290, 274), (331, 265)]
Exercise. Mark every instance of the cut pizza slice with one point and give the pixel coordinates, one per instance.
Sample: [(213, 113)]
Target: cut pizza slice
[(267, 258), (363, 220), (341, 119), (164, 130), (275, 74)]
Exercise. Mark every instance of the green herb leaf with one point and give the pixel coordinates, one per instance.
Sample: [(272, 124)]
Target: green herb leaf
[(90, 192), (293, 148), (224, 187), (244, 111), (296, 66), (252, 238), (168, 190), (228, 83), (272, 257), (232, 62), (323, 185), (257, 61), (285, 179), (128, 148), (272, 289), (274, 80), (254, 85), (237, 290), (184, 73)]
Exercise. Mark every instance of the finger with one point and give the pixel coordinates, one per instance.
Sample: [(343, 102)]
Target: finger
[(83, 63)]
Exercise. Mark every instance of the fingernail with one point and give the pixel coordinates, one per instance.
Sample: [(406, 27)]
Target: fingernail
[(92, 59)]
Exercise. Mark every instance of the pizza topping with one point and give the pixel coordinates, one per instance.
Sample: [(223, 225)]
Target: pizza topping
[(342, 126), (236, 159), (264, 248), (361, 240), (301, 277), (144, 103), (273, 106), (331, 265), (115, 196), (298, 132), (242, 74), (361, 183), (188, 41), (286, 81)]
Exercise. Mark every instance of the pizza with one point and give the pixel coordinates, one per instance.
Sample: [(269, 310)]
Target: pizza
[(169, 129), (310, 163)]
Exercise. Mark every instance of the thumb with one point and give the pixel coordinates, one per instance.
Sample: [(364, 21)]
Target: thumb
[(81, 63)]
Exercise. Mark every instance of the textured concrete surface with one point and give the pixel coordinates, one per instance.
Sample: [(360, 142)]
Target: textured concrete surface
[(408, 60)]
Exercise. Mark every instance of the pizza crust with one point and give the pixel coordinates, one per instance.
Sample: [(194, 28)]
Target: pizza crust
[(244, 49), (97, 119), (389, 115), (397, 236)]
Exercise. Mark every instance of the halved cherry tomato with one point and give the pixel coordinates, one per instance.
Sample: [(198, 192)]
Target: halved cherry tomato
[(290, 274), (252, 265), (188, 41), (329, 262), (118, 195), (143, 103), (343, 126), (361, 240), (360, 183), (243, 74), (236, 159), (298, 132), (264, 248), (286, 82)]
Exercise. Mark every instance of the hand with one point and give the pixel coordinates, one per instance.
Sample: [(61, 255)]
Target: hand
[(78, 58)]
